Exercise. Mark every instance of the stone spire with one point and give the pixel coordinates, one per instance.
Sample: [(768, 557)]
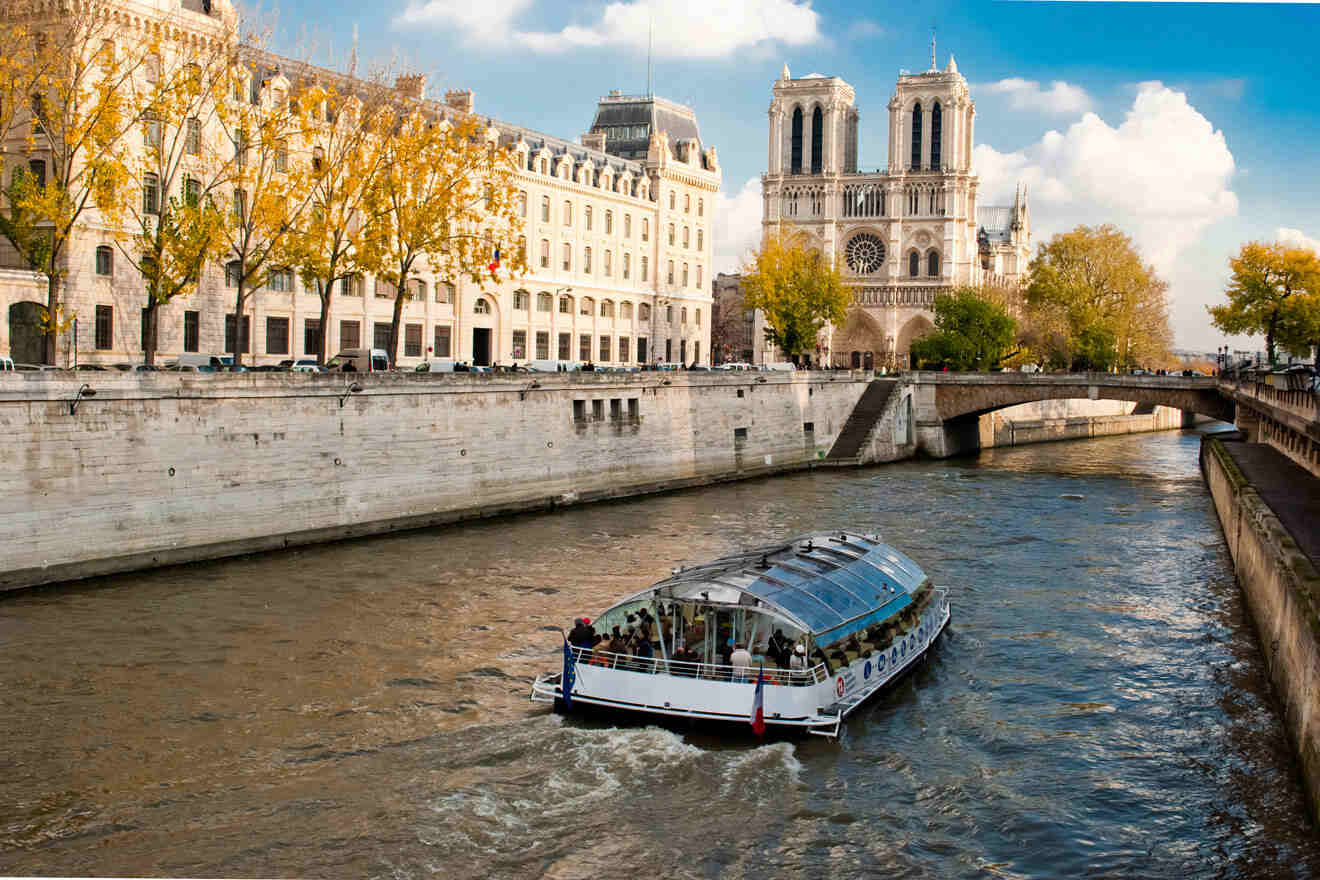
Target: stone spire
[(953, 65), (784, 76)]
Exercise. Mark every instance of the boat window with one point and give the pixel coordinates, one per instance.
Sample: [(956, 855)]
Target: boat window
[(844, 603)]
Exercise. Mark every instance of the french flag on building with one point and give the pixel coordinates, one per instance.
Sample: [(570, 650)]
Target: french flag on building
[(758, 703), (495, 262)]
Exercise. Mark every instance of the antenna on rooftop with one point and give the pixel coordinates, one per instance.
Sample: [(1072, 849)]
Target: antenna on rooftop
[(932, 45), (650, 39), (353, 61)]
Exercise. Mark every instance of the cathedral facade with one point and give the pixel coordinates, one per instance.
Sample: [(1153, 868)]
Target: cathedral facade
[(902, 234)]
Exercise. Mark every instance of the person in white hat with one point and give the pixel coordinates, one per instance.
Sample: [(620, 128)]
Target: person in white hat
[(799, 658)]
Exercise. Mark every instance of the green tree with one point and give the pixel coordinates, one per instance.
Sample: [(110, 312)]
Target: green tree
[(1093, 279), (970, 333), (1272, 291), (797, 289)]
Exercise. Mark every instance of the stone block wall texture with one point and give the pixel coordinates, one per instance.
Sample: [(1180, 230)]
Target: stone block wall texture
[(163, 468), (1282, 589)]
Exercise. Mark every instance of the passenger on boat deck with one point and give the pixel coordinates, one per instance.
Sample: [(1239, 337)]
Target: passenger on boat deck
[(799, 658), (778, 649), (740, 660), (582, 634)]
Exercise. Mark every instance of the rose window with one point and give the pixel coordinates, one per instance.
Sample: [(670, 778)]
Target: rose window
[(865, 254)]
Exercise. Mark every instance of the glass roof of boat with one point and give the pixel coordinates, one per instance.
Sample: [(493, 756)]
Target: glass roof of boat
[(833, 584)]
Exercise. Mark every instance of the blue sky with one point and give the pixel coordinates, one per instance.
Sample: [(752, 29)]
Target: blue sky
[(1191, 126)]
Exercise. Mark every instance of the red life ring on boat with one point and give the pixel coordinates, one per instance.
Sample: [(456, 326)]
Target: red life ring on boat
[(838, 687)]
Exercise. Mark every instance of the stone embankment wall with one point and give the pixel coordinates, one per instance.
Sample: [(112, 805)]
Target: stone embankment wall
[(1282, 589), (1049, 420), (163, 468)]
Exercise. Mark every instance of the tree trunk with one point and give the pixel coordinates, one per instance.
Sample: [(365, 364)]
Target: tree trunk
[(238, 320), (325, 323), (149, 330), (52, 313), (1269, 336), (398, 316)]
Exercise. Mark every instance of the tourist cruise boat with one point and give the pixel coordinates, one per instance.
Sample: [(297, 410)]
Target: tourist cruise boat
[(855, 610)]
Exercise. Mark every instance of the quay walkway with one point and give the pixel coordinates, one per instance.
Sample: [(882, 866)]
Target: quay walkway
[(1287, 488)]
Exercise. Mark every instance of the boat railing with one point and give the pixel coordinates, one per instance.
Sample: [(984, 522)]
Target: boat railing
[(708, 671)]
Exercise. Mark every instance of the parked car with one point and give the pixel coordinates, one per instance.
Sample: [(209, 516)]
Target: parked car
[(302, 365), (189, 368), (359, 360)]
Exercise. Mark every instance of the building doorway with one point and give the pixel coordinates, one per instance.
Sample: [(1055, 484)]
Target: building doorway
[(27, 343), (481, 346)]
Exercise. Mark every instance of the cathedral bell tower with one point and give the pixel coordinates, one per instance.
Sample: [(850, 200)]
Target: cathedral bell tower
[(813, 126), (931, 119)]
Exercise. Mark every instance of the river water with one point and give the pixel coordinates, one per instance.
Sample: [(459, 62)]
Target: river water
[(1097, 708)]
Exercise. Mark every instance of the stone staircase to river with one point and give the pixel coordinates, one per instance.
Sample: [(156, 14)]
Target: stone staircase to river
[(861, 422)]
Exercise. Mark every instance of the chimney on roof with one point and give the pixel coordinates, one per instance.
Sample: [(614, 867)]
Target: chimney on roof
[(594, 140), (461, 100), (411, 85)]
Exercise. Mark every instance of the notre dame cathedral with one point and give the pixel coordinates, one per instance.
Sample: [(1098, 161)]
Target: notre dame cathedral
[(901, 234)]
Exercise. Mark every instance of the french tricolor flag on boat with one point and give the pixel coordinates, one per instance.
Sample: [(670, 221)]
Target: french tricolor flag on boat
[(758, 703)]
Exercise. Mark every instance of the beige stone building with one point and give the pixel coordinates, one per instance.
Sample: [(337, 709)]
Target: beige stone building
[(902, 234), (617, 227)]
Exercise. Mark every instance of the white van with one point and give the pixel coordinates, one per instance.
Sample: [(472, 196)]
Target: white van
[(363, 360), (554, 366)]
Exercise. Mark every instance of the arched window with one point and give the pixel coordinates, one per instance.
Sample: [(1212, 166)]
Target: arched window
[(682, 315), (586, 217), (627, 266), (586, 260), (700, 240), (646, 229), (701, 207), (566, 305), (544, 167), (626, 310), (916, 137), (568, 257), (545, 209), (933, 264), (545, 253), (609, 263), (568, 213), (687, 236), (671, 200), (914, 264), (643, 312), (685, 274), (480, 307), (645, 265), (935, 129), (607, 308), (588, 306), (795, 159), (817, 140), (544, 302), (609, 222), (522, 204)]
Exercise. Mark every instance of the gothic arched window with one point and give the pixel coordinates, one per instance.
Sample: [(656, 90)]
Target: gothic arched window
[(935, 128), (916, 138), (795, 160), (914, 264), (817, 140), (933, 264)]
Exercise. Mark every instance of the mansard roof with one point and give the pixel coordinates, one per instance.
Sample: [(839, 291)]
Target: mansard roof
[(649, 114)]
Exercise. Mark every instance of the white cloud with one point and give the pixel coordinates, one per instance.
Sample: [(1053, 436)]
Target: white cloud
[(1026, 94), (737, 226), (1297, 237), (676, 28), (1162, 176)]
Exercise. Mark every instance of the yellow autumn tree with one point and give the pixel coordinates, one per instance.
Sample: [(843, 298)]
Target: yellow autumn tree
[(75, 124), (798, 290), (1274, 291), (445, 197)]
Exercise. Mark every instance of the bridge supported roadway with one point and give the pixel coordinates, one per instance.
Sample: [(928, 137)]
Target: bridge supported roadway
[(948, 406)]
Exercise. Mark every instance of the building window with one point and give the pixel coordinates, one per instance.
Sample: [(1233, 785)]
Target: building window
[(280, 280), (641, 349), (687, 203), (643, 312), (933, 264), (565, 346), (584, 347), (281, 160), (192, 331), (817, 140), (105, 328), (579, 410), (545, 205), (235, 339), (627, 225), (240, 206), (588, 306), (353, 286), (609, 222), (598, 410), (412, 340), (522, 204), (627, 266), (568, 257), (544, 302), (586, 217), (670, 272), (566, 305), (607, 308), (696, 314), (914, 264), (616, 409), (646, 229), (568, 213), (192, 191), (233, 271), (522, 301), (519, 345), (277, 335), (916, 138), (644, 268), (380, 336), (626, 310), (671, 200), (384, 288), (442, 341), (152, 132), (586, 260), (481, 307), (545, 253), (444, 292), (701, 240), (671, 235), (312, 336), (698, 276), (105, 260), (350, 334), (609, 264), (795, 155), (685, 274), (682, 315), (669, 314), (701, 208), (150, 194), (417, 290), (542, 345), (623, 349), (936, 130)]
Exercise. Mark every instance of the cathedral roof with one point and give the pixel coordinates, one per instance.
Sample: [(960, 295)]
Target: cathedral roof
[(996, 221)]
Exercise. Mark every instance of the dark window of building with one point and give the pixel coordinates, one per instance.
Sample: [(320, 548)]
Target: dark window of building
[(380, 335), (542, 345), (148, 332), (584, 347), (916, 137), (579, 410), (412, 340), (914, 264), (598, 410), (193, 139), (682, 350), (244, 339), (105, 260), (565, 346), (312, 336), (277, 336), (519, 349), (795, 162), (817, 141), (192, 331), (669, 351), (105, 329), (616, 409), (442, 342), (150, 194), (935, 130), (350, 334), (933, 264), (633, 410)]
